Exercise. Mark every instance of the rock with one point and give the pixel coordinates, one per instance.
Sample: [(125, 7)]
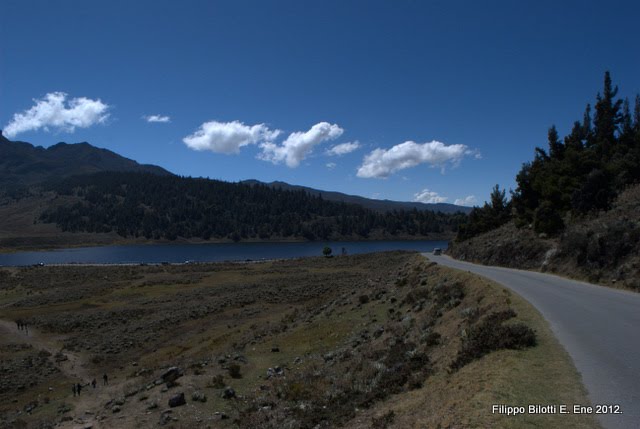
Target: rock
[(221, 416), (172, 374), (165, 417), (116, 409), (119, 401), (275, 349), (228, 393), (152, 405), (177, 400), (30, 406), (328, 357), (378, 332)]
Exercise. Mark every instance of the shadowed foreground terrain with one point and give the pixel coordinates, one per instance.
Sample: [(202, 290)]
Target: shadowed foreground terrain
[(379, 340)]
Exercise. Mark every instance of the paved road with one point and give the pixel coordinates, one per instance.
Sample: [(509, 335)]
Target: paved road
[(598, 326)]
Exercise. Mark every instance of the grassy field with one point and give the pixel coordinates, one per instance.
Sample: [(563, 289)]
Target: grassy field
[(357, 341)]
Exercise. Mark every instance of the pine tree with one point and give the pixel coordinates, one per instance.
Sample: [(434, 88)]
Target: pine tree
[(556, 148)]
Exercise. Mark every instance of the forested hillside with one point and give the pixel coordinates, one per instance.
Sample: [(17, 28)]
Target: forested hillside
[(576, 208), (168, 207), (575, 176)]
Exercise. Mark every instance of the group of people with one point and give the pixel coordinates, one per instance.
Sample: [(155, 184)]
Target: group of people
[(22, 326), (76, 388)]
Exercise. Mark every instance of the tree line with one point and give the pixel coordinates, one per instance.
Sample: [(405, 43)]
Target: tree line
[(168, 207), (578, 174)]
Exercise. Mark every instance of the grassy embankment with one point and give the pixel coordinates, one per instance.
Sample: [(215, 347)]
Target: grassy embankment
[(371, 337)]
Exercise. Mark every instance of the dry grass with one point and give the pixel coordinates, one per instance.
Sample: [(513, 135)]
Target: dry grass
[(205, 318)]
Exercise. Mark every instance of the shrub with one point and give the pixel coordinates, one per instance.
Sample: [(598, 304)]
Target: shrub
[(547, 219), (234, 371), (490, 335)]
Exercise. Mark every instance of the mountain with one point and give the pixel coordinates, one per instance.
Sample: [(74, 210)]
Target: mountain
[(25, 164), (376, 205)]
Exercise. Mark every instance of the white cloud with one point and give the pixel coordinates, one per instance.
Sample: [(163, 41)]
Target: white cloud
[(299, 144), (53, 111), (156, 118), (343, 148), (228, 137), (381, 163), (427, 196), (469, 201), (331, 165)]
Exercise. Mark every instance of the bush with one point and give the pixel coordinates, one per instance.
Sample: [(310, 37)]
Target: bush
[(234, 371), (490, 335), (547, 219)]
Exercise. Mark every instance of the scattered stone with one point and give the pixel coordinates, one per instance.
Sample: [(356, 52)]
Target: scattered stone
[(228, 393), (221, 416), (165, 417), (177, 400), (172, 374), (30, 406), (378, 332)]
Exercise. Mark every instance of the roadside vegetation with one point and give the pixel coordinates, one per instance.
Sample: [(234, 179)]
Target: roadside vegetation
[(574, 210), (381, 340)]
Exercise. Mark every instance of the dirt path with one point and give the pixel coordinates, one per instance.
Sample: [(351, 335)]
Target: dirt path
[(91, 401), (74, 367)]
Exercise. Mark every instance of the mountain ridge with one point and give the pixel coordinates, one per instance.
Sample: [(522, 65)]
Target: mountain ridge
[(377, 205), (23, 163)]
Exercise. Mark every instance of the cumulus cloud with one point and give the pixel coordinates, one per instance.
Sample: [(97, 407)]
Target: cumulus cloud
[(228, 137), (427, 196), (343, 148), (299, 144), (331, 165), (382, 163), (54, 111), (469, 201), (156, 118)]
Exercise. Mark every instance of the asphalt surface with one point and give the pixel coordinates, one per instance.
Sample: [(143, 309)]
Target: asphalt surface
[(598, 326)]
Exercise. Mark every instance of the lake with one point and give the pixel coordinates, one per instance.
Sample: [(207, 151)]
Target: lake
[(210, 252)]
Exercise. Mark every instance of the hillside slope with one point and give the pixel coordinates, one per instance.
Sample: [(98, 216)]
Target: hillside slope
[(384, 340), (602, 247), (376, 205)]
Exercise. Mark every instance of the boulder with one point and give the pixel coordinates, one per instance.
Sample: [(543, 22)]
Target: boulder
[(228, 393), (177, 400), (172, 374)]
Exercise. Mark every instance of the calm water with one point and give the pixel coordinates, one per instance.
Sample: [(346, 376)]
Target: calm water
[(157, 253)]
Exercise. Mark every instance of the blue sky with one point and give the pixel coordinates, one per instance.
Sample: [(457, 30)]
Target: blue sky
[(439, 100)]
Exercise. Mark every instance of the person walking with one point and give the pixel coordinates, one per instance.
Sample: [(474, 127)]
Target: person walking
[(93, 383), (74, 389), (79, 388), (105, 380)]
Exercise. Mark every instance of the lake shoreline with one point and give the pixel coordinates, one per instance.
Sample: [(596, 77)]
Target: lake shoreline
[(187, 253)]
